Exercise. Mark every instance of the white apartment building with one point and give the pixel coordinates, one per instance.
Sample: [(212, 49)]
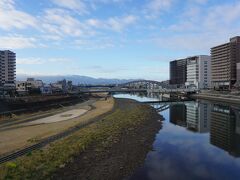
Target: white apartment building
[(7, 68), (198, 72)]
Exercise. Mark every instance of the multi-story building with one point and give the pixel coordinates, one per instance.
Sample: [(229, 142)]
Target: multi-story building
[(198, 72), (224, 64), (178, 72), (7, 68)]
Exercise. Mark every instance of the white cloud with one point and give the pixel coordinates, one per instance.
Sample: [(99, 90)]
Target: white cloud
[(38, 61), (117, 24), (158, 5), (11, 18), (199, 1), (60, 23), (155, 7), (101, 43), (111, 1), (17, 42), (29, 61), (217, 19), (77, 5), (215, 28)]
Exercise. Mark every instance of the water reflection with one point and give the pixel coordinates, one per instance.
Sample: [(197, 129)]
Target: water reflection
[(225, 128), (141, 96), (194, 116), (221, 121), (178, 115), (199, 140)]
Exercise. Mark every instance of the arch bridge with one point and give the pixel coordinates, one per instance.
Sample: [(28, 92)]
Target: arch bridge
[(144, 84), (138, 86)]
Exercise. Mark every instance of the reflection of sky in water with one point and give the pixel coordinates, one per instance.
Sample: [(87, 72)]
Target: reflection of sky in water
[(135, 97), (182, 154)]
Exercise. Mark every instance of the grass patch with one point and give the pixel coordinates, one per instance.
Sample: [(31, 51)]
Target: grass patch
[(42, 163)]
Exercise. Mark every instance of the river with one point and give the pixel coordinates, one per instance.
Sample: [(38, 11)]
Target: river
[(198, 140)]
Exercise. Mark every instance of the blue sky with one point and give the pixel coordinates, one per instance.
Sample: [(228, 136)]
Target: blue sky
[(113, 38)]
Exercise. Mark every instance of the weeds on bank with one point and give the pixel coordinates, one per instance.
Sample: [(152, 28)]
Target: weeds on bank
[(42, 163)]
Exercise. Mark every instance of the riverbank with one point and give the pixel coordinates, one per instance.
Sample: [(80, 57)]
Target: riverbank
[(18, 134), (111, 148), (219, 97), (12, 107)]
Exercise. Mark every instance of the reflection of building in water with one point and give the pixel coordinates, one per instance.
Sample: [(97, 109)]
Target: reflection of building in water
[(178, 114), (154, 95), (198, 117), (225, 129)]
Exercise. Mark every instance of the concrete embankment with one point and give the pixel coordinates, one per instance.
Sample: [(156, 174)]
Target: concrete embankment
[(224, 98), (111, 148)]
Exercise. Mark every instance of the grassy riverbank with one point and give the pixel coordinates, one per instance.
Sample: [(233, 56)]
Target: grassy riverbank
[(126, 135)]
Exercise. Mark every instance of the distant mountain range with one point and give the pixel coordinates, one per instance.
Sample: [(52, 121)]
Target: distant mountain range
[(76, 79)]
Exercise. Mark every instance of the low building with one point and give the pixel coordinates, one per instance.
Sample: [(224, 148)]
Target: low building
[(30, 86), (21, 87), (69, 85), (46, 89), (57, 85), (198, 72), (34, 84), (61, 86)]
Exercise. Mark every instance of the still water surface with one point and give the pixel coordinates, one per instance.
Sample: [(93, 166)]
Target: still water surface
[(198, 140)]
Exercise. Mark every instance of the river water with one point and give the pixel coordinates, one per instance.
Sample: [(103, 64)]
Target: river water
[(198, 140)]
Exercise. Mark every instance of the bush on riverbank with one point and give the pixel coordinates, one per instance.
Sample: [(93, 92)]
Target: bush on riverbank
[(41, 164)]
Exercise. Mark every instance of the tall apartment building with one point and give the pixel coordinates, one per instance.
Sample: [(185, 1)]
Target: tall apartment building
[(224, 64), (7, 68), (178, 72), (199, 72)]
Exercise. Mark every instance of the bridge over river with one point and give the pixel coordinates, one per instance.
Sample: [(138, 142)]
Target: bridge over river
[(136, 86)]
